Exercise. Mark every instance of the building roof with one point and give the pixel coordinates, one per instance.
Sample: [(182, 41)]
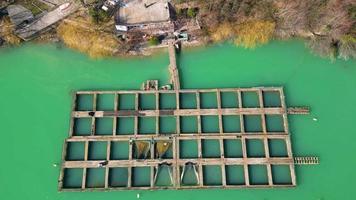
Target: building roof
[(136, 12)]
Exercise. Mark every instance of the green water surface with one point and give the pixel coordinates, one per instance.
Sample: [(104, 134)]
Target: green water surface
[(36, 83)]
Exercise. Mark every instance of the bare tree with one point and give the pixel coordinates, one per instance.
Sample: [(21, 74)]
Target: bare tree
[(347, 47), (291, 18), (323, 46), (336, 21)]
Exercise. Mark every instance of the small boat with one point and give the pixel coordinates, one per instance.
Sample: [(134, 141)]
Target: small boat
[(64, 6)]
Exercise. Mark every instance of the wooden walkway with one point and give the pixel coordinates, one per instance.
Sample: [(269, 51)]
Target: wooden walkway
[(173, 69), (177, 162)]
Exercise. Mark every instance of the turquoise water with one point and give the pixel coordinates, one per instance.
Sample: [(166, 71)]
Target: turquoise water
[(37, 82)]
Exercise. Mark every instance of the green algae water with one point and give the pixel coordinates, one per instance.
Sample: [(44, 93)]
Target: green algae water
[(36, 84)]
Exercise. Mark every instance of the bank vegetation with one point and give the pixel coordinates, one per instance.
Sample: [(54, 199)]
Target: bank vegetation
[(85, 36), (328, 25), (7, 32)]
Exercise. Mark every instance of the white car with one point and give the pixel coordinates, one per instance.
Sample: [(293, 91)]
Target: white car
[(105, 8), (64, 6), (121, 28)]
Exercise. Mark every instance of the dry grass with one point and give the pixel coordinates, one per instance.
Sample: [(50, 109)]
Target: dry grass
[(248, 34), (7, 32), (254, 32), (86, 38), (223, 32)]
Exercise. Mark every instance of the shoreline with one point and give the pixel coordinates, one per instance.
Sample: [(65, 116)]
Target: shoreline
[(201, 24)]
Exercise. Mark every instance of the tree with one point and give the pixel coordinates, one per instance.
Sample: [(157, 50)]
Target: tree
[(253, 33), (291, 18)]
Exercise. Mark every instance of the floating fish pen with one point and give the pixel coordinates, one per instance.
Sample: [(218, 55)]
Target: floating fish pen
[(180, 139)]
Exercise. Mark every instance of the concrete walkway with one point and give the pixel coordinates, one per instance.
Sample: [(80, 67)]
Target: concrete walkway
[(31, 30)]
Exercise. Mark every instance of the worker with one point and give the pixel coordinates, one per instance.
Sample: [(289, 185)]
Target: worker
[(103, 163)]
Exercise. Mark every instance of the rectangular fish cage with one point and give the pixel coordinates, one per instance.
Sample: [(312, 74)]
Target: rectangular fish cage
[(178, 139)]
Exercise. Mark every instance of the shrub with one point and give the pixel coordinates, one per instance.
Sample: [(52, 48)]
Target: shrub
[(153, 41), (98, 15), (192, 12)]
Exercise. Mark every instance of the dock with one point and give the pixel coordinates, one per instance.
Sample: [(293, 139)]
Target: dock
[(173, 69), (244, 145)]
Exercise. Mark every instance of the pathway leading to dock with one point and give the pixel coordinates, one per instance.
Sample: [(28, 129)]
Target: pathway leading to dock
[(173, 70), (31, 30)]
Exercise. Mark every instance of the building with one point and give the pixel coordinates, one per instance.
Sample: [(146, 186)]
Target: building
[(143, 14)]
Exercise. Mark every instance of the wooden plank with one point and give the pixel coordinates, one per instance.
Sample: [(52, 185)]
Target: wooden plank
[(129, 168), (61, 173), (173, 66), (175, 171), (298, 110), (157, 117), (197, 95), (182, 187), (284, 107), (292, 174), (245, 161), (272, 89), (242, 123), (108, 152), (116, 106), (136, 117), (263, 116), (187, 136), (218, 95), (86, 149), (72, 119), (182, 112), (269, 169)]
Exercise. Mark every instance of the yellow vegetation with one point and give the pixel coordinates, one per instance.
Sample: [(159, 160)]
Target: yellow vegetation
[(223, 32), (7, 32), (254, 32), (248, 34), (83, 37)]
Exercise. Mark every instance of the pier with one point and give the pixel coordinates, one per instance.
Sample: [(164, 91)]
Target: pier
[(229, 132), (173, 66)]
